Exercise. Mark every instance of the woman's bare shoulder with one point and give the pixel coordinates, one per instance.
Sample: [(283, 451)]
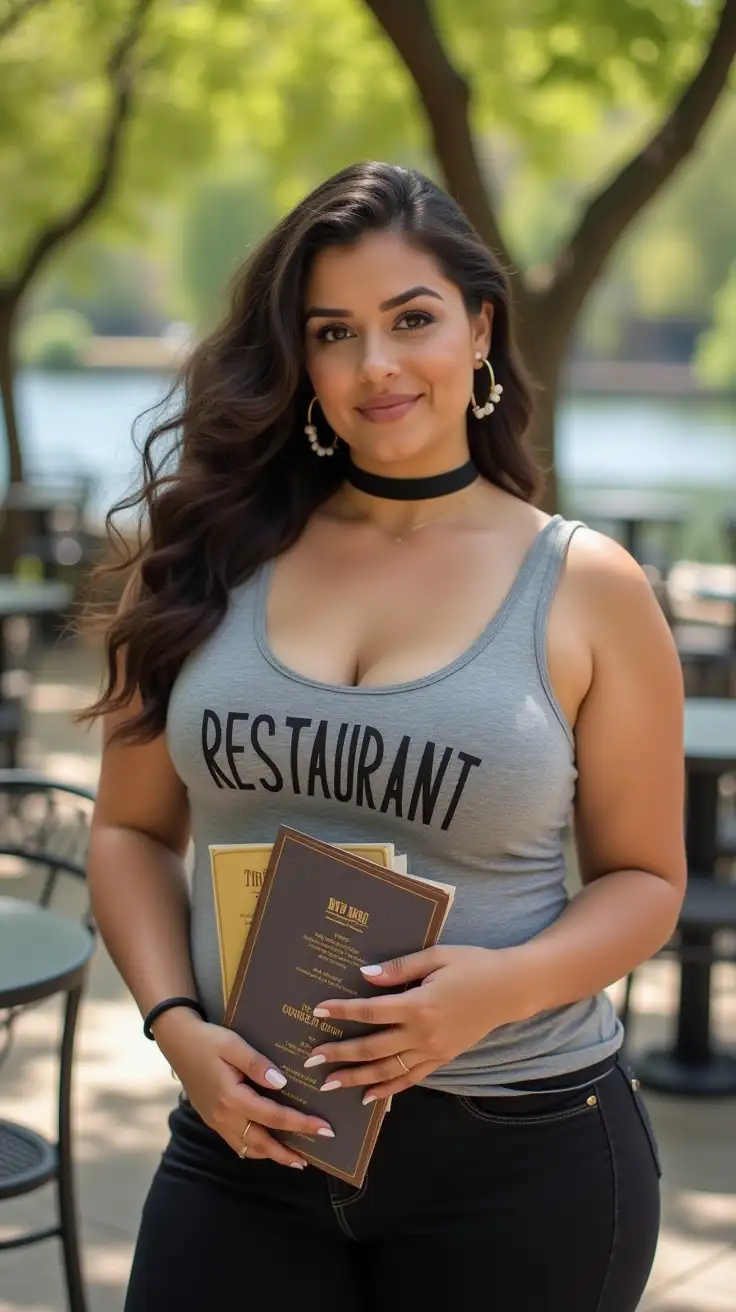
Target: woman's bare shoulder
[(612, 594), (595, 558)]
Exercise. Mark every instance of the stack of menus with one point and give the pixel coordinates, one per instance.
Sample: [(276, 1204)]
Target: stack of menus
[(296, 920)]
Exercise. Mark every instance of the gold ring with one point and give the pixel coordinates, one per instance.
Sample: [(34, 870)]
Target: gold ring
[(245, 1131), (402, 1064), (243, 1152)]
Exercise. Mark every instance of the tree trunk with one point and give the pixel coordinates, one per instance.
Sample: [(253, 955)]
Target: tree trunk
[(544, 345), (7, 389), (11, 525), (121, 69)]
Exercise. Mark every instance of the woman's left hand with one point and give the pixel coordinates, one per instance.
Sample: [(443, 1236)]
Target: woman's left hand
[(464, 993)]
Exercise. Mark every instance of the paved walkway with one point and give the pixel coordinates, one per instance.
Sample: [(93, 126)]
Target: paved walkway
[(123, 1093)]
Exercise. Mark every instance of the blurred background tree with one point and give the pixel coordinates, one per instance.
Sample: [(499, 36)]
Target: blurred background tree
[(716, 358), (100, 100), (557, 125), (657, 296), (230, 211)]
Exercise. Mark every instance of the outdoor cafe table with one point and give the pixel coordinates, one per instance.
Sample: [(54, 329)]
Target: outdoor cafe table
[(41, 504), (724, 594), (41, 952), (29, 600), (631, 512), (714, 593), (693, 1066)]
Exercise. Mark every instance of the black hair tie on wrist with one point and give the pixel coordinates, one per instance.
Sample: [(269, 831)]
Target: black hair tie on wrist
[(167, 1003)]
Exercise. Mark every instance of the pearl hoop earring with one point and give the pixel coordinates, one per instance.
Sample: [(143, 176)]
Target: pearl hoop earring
[(311, 431), (494, 396)]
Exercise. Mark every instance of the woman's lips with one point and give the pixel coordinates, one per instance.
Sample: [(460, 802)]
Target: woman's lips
[(387, 410)]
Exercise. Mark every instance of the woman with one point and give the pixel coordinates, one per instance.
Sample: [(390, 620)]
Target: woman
[(350, 617)]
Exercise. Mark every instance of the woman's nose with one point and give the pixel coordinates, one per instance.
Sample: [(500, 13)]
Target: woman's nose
[(379, 360)]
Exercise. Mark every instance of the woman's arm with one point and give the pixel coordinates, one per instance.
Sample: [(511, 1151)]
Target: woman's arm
[(629, 808), (139, 838)]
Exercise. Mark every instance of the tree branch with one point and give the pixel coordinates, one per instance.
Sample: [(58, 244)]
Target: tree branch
[(120, 77), (617, 205), (16, 14), (445, 95)]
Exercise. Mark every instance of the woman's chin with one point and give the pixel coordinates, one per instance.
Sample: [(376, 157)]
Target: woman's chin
[(387, 449)]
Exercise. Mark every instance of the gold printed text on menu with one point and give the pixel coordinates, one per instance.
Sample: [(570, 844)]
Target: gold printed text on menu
[(294, 1051), (349, 917), (335, 954)]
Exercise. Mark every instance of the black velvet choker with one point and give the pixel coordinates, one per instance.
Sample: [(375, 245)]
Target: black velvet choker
[(412, 489)]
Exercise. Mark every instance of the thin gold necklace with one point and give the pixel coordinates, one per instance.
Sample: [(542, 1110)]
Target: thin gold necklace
[(426, 523), (416, 527), (401, 537)]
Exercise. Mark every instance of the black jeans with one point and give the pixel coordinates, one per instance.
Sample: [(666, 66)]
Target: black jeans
[(545, 1203)]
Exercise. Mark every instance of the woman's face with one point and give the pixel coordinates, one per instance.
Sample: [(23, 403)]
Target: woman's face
[(390, 351)]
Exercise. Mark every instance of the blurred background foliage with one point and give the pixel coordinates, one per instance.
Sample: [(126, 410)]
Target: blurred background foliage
[(241, 106)]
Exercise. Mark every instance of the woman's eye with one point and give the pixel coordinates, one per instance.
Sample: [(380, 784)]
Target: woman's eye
[(409, 321), (414, 319), (333, 332)]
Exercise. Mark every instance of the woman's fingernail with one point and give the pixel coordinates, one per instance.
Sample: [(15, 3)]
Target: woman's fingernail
[(369, 1097), (330, 1084), (320, 1012), (297, 1166), (275, 1079), (371, 970), (314, 1061), (326, 1134)]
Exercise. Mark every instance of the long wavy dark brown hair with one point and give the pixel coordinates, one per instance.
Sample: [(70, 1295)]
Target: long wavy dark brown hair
[(229, 480)]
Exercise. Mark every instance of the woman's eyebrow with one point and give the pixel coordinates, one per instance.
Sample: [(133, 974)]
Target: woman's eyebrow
[(403, 297), (320, 312)]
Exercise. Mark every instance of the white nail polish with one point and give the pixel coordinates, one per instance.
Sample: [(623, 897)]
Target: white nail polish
[(369, 1097), (326, 1134), (320, 1012), (275, 1079), (297, 1166), (330, 1084), (314, 1061), (371, 970)]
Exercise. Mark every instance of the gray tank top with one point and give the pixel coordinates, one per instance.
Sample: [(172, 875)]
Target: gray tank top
[(469, 771)]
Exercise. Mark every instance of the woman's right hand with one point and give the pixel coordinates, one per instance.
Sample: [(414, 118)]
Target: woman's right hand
[(211, 1062)]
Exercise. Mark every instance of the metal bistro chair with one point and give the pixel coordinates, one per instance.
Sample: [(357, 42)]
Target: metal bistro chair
[(44, 835)]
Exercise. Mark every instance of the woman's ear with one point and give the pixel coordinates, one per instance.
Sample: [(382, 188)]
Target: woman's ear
[(483, 330)]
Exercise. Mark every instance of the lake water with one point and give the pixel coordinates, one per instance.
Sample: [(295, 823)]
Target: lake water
[(83, 421)]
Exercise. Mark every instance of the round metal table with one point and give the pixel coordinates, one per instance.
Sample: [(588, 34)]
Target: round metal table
[(41, 952), (693, 1066)]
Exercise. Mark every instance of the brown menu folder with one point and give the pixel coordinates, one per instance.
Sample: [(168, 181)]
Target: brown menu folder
[(323, 913)]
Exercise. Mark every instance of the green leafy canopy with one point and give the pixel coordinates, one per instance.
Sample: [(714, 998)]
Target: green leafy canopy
[(315, 86), (55, 100)]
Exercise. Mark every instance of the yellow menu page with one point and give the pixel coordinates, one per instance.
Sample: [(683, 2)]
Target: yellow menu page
[(237, 876)]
